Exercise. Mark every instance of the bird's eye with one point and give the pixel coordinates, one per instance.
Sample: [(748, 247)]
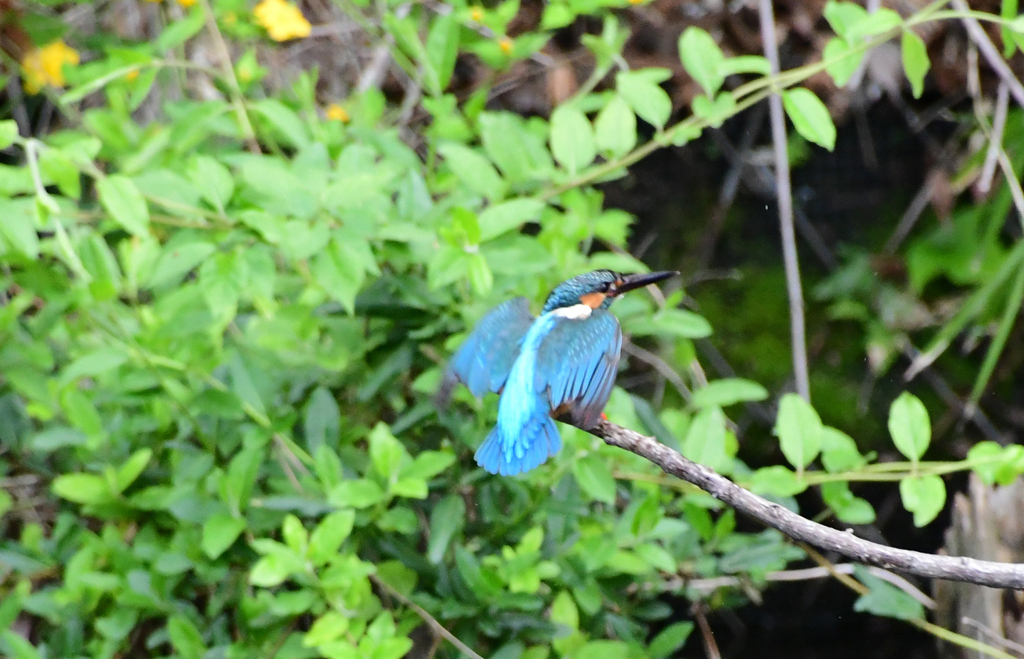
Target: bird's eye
[(605, 287)]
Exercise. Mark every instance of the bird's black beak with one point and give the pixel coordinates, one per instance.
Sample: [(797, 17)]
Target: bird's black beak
[(639, 280)]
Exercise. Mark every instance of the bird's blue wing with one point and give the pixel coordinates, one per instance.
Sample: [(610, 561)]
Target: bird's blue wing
[(576, 366), (484, 360)]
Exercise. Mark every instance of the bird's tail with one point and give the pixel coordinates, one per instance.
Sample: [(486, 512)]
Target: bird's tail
[(508, 452)]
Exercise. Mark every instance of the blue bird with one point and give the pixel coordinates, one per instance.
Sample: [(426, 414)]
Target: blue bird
[(560, 364)]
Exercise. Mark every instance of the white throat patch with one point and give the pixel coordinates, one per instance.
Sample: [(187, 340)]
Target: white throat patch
[(575, 312)]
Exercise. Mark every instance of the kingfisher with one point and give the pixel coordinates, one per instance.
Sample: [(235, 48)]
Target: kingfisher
[(559, 365)]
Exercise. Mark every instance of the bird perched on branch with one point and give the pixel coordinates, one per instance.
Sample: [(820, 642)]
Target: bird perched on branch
[(561, 364)]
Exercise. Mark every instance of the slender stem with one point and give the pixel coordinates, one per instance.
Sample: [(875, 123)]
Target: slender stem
[(784, 196), (237, 99), (427, 618), (989, 50)]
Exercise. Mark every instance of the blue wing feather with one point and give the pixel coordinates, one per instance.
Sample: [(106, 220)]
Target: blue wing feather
[(577, 363), (485, 358)]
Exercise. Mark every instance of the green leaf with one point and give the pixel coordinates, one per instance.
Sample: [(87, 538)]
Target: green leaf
[(1008, 11), (672, 323), (322, 422), (839, 452), (876, 22), (185, 638), (17, 228), (285, 121), (499, 219), (214, 181), (480, 276), (410, 488), (847, 507), (19, 646), (810, 117), (777, 480), (272, 569), (220, 532), (909, 426), (327, 537), (728, 391), (82, 488), (641, 91), (799, 430), (705, 440), (132, 468), (924, 496), (885, 599), (442, 48), (842, 60), (717, 111), (359, 493), (428, 464), (669, 640), (595, 478), (294, 534), (915, 61), (603, 650), (615, 127), (702, 59), (474, 170), (447, 519), (572, 138), (122, 199), (325, 629), (844, 16), (386, 452), (8, 133)]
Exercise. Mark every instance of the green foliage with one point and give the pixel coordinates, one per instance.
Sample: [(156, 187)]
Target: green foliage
[(221, 330)]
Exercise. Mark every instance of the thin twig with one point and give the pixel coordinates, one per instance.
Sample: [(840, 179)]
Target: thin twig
[(953, 568), (661, 366), (237, 99), (708, 586), (707, 635), (990, 52), (427, 618), (995, 143), (785, 201), (993, 636)]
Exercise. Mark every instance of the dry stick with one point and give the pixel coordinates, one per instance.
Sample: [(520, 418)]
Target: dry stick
[(985, 573), (990, 52), (988, 170), (711, 584), (785, 200), (427, 618)]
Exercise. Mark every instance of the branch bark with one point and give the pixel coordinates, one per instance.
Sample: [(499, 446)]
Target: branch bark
[(785, 201), (952, 568)]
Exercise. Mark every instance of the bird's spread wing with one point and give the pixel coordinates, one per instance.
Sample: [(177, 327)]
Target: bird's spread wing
[(576, 365), (484, 360)]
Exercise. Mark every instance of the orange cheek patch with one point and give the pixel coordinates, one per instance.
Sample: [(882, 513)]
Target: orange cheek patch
[(593, 300)]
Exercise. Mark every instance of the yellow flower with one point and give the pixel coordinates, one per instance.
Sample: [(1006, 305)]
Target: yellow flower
[(45, 66), (282, 20), (337, 113), (505, 44), (186, 3), (131, 75), (477, 14)]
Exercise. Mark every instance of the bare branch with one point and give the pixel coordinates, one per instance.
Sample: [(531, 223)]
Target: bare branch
[(953, 568), (990, 53), (785, 200)]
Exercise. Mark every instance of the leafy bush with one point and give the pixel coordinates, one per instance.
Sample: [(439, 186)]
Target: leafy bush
[(222, 329)]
